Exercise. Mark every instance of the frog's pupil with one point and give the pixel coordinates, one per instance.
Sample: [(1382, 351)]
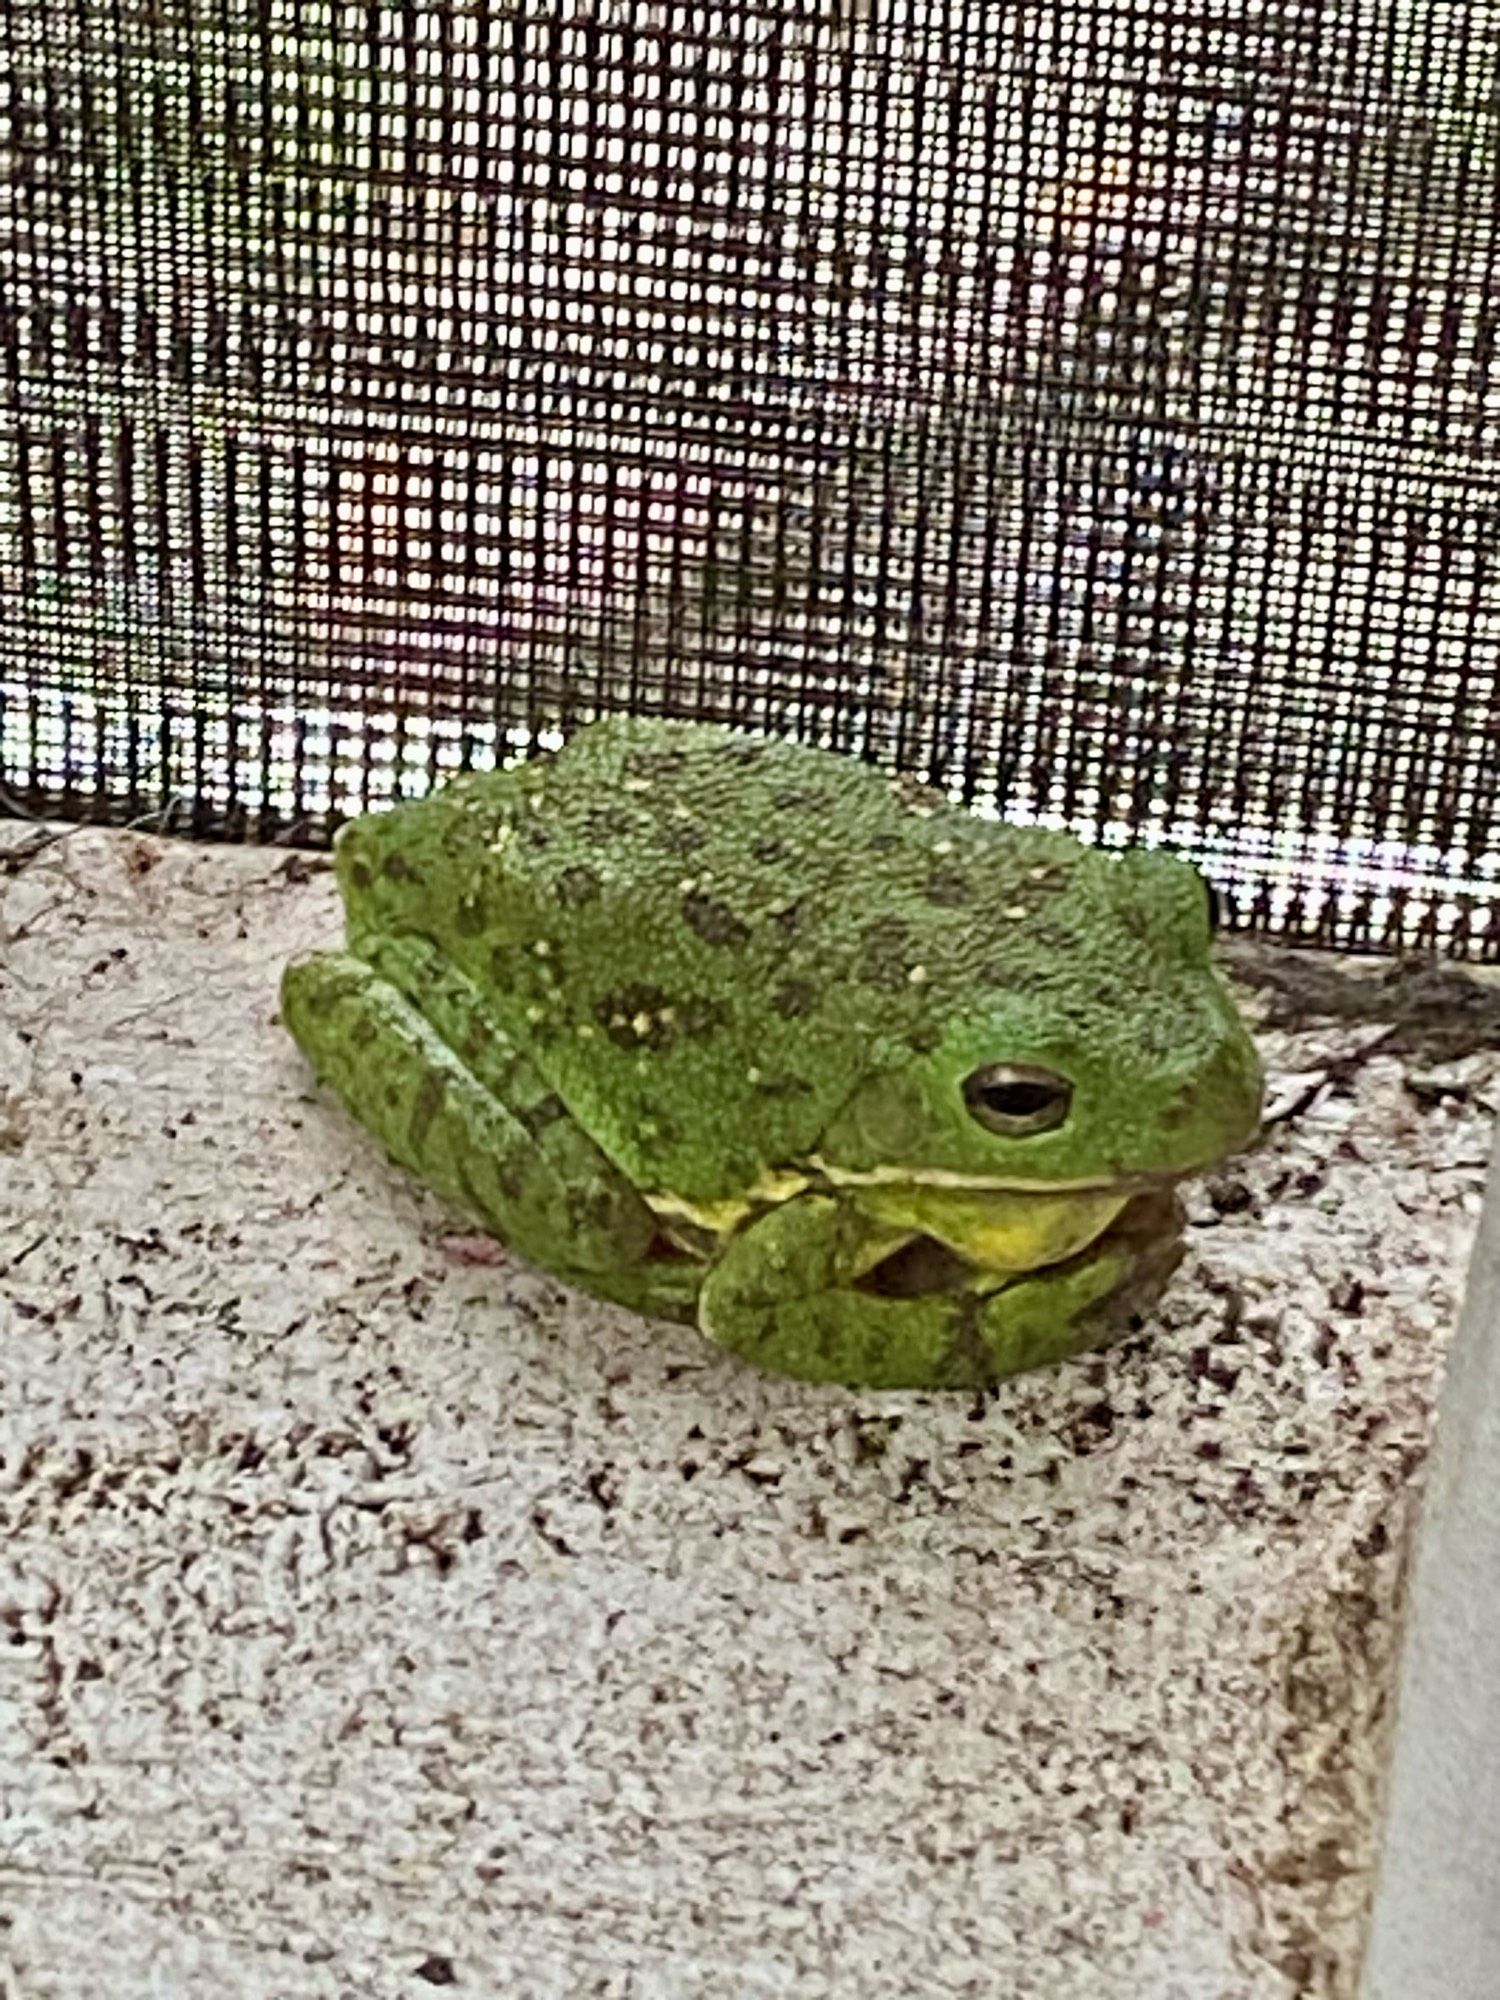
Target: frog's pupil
[(1020, 1100)]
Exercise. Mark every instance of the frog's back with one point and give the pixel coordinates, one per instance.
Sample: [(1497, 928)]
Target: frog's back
[(656, 802), (706, 939)]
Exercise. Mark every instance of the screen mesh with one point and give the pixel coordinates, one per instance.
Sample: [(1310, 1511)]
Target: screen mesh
[(1093, 407)]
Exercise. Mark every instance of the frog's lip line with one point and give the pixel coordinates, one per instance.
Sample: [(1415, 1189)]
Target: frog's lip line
[(945, 1177), (785, 1183)]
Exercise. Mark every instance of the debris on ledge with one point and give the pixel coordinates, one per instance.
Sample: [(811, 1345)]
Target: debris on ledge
[(383, 1616)]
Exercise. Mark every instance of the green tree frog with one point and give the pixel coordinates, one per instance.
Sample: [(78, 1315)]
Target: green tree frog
[(746, 1033)]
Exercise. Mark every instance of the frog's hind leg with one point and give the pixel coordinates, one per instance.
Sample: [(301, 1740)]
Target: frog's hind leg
[(409, 1045)]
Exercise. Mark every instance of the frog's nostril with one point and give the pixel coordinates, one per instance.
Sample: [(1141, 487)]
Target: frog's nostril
[(1017, 1099)]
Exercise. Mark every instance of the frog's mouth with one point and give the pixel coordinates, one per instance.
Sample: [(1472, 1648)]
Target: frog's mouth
[(1002, 1226), (944, 1177)]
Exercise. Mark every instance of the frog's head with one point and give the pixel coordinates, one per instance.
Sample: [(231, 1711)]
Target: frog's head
[(1095, 1048)]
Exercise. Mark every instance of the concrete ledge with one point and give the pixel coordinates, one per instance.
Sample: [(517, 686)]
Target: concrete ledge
[(376, 1616)]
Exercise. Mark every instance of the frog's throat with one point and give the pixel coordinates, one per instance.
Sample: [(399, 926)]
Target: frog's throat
[(778, 1184)]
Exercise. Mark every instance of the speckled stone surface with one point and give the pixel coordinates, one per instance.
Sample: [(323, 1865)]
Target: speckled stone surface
[(378, 1617)]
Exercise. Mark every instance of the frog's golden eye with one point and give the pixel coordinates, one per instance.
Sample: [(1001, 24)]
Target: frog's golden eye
[(1017, 1099)]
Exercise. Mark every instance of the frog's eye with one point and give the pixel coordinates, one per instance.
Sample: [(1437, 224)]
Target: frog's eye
[(1017, 1099)]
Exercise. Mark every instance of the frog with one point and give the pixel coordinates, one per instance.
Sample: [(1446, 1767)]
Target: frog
[(747, 1033)]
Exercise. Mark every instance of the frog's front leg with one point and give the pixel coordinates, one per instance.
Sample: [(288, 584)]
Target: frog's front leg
[(408, 1044), (783, 1295)]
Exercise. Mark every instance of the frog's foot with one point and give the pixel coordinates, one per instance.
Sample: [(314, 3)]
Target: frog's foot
[(783, 1296), (409, 1045)]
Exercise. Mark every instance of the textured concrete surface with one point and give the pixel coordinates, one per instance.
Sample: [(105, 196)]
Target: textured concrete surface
[(1435, 1927), (377, 1617)]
